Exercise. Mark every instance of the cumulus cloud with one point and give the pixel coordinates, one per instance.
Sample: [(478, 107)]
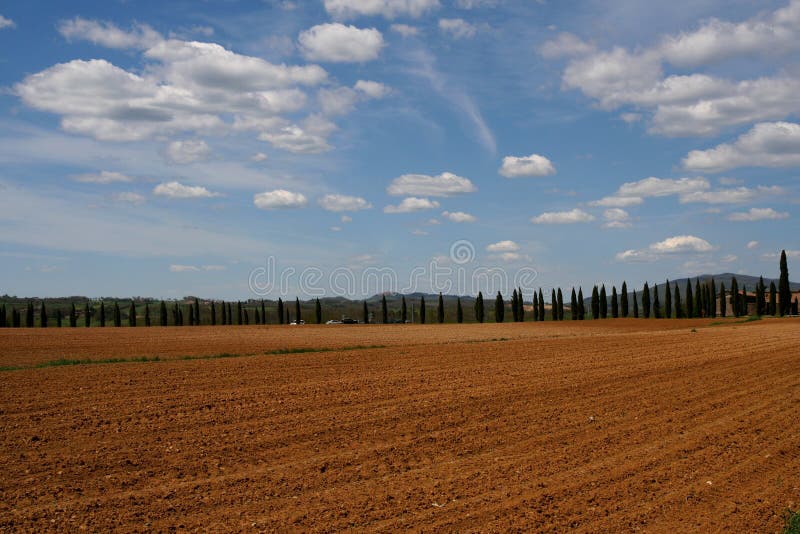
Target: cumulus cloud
[(503, 246), (279, 199), (131, 198), (442, 185), (103, 177), (565, 45), (616, 218), (338, 43), (346, 219), (259, 157), (563, 217), (343, 203), (405, 30), (183, 268), (310, 138), (343, 9), (735, 195), (179, 190), (681, 244), (475, 4), (758, 214), (457, 28), (459, 217), (770, 144), (6, 23), (342, 100), (189, 151), (660, 187), (372, 89), (106, 34), (412, 204), (752, 245), (533, 165), (617, 202)]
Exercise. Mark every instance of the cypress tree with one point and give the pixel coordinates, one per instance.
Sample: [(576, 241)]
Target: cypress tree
[(479, 308), (573, 306), (280, 311), (440, 310), (678, 307), (624, 299), (514, 307), (146, 314), (722, 304), (15, 320), (384, 310), (656, 303), (521, 304), (117, 315), (297, 316), (689, 300), (499, 308), (58, 317), (784, 291), (366, 313), (246, 317), (772, 298), (560, 300), (3, 321), (698, 300), (197, 321), (239, 314), (668, 301), (132, 314), (712, 312), (614, 303), (603, 302), (735, 297), (760, 296), (29, 315), (595, 303), (403, 310), (318, 311), (541, 305), (258, 315), (73, 316), (102, 314), (263, 312), (459, 311), (535, 307), (553, 305), (743, 301), (87, 315), (646, 301), (422, 309), (213, 314), (581, 309), (162, 314), (224, 314), (43, 316), (635, 306), (230, 314), (191, 315)]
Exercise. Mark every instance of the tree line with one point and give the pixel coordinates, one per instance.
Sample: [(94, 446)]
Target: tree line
[(697, 300)]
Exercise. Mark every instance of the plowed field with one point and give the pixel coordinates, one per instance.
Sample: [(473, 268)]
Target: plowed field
[(599, 426)]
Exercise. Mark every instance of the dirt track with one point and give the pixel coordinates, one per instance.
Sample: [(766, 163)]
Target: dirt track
[(623, 425)]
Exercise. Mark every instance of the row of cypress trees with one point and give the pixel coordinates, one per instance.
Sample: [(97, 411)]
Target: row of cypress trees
[(700, 301)]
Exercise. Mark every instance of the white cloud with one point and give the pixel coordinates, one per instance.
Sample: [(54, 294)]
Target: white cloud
[(338, 43), (6, 23), (769, 144), (441, 185), (346, 219), (405, 30), (681, 244), (132, 198), (310, 138), (459, 217), (343, 9), (617, 202), (183, 268), (103, 177), (343, 203), (736, 195), (412, 204), (565, 45), (503, 246), (214, 268), (372, 89), (475, 4), (563, 217), (660, 187), (336, 228), (533, 165), (189, 151), (630, 118), (758, 214), (616, 218), (457, 28), (179, 190), (752, 245), (106, 34), (419, 232), (259, 157), (279, 199)]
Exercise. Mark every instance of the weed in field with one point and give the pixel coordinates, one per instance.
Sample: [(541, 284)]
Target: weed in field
[(792, 522)]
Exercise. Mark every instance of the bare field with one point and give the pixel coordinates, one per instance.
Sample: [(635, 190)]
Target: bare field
[(597, 426)]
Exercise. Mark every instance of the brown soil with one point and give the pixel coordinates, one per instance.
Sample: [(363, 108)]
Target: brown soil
[(600, 426)]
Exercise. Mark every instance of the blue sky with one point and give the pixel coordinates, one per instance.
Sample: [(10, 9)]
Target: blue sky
[(171, 148)]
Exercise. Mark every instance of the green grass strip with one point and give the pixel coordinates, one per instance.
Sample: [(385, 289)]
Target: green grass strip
[(792, 524)]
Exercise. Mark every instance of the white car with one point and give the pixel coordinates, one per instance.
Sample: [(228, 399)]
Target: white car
[(295, 323)]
